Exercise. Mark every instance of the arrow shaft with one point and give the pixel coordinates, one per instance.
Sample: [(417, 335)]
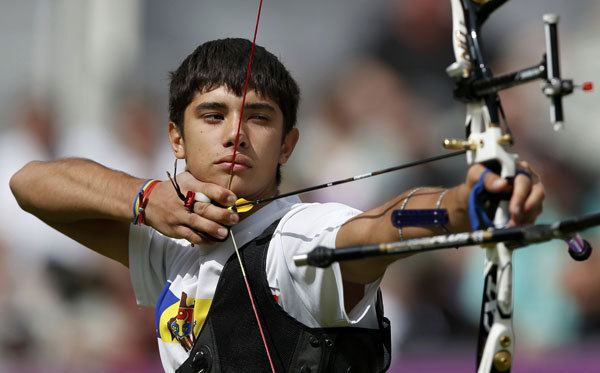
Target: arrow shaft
[(353, 178)]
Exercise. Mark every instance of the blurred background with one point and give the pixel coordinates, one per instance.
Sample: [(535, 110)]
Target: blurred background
[(90, 79)]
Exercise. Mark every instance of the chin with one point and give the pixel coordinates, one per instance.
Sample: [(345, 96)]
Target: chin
[(250, 192)]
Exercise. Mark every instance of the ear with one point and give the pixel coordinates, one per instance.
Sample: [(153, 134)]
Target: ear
[(176, 140), (287, 146)]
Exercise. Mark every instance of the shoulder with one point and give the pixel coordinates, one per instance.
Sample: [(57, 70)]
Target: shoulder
[(313, 296), (314, 218)]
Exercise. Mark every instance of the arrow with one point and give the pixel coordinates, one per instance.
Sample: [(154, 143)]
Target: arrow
[(242, 205)]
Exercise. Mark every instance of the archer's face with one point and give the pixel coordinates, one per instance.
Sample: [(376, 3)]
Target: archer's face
[(210, 126)]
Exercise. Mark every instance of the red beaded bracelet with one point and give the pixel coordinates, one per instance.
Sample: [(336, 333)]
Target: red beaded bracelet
[(141, 201)]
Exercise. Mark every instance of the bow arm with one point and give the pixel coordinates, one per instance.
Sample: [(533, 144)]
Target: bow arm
[(487, 142)]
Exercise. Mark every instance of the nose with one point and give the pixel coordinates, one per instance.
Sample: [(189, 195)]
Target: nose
[(231, 134)]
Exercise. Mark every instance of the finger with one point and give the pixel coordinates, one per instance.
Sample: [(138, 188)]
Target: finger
[(531, 216), (215, 213), (493, 183), (217, 193), (474, 174), (528, 217), (190, 235), (523, 165), (534, 203), (203, 225), (521, 190)]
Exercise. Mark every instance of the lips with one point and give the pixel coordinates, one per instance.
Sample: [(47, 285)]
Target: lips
[(242, 162)]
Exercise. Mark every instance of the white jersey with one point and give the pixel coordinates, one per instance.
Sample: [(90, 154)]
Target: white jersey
[(179, 279)]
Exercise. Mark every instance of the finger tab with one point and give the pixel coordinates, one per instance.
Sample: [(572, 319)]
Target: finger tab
[(201, 197)]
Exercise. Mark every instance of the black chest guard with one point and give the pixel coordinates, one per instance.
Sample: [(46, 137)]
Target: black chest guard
[(229, 340)]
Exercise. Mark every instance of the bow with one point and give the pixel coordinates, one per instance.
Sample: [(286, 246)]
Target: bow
[(487, 140)]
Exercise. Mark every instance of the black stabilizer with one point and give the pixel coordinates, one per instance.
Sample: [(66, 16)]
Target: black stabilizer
[(321, 257)]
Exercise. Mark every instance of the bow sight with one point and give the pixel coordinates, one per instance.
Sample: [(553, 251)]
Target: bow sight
[(473, 85)]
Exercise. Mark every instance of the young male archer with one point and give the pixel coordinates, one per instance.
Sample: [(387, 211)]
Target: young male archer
[(309, 319)]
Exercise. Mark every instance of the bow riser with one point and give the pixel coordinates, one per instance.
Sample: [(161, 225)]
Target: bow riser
[(486, 141)]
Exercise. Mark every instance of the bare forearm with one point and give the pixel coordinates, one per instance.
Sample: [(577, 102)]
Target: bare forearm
[(374, 226), (525, 204), (74, 189)]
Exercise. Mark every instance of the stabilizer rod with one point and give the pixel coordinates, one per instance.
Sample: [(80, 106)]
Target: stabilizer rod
[(517, 237)]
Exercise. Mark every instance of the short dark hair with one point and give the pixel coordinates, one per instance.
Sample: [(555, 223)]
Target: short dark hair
[(224, 62)]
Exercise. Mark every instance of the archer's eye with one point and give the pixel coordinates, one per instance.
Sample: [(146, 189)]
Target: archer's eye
[(259, 118), (213, 118)]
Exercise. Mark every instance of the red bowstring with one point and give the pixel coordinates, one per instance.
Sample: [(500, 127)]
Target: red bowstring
[(235, 148), (260, 329), (246, 84)]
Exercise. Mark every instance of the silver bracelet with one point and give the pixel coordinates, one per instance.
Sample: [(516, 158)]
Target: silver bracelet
[(438, 204), (404, 203), (440, 198)]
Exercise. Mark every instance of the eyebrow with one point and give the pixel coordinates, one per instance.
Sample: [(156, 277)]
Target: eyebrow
[(260, 106), (210, 106), (213, 105)]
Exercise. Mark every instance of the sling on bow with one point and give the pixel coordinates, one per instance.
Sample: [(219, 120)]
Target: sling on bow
[(485, 144)]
